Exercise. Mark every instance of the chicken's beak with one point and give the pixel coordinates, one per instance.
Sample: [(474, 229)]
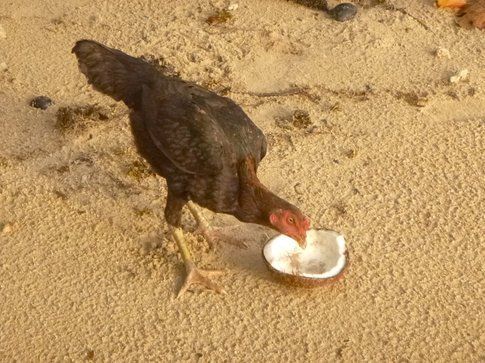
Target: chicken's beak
[(302, 241), (301, 237)]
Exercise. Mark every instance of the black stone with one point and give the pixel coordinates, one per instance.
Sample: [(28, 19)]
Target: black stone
[(343, 12), (42, 102)]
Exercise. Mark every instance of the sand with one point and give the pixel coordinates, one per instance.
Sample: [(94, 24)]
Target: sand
[(394, 159)]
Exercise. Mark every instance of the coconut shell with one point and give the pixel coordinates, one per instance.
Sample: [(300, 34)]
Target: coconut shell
[(303, 281)]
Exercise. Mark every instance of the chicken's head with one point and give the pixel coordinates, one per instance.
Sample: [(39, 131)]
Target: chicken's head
[(292, 223)]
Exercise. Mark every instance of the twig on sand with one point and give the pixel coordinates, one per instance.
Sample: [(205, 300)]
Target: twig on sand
[(287, 92), (283, 93), (392, 7)]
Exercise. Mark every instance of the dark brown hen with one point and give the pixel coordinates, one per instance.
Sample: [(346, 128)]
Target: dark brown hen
[(203, 144)]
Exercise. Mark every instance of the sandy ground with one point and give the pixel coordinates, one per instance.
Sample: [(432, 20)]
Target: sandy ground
[(394, 160)]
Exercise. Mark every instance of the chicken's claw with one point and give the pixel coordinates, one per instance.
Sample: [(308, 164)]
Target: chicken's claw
[(200, 277)]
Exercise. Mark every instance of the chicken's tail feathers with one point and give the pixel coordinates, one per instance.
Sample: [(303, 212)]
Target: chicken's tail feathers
[(113, 72)]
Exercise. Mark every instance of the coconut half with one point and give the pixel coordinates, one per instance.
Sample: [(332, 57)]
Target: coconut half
[(324, 258)]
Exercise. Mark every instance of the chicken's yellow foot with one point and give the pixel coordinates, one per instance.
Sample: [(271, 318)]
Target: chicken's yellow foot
[(193, 274)]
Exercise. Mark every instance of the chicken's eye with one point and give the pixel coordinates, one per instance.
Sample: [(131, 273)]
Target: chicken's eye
[(291, 220)]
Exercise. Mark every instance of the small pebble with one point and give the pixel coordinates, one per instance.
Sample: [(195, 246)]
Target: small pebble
[(343, 12), (89, 354), (41, 102), (3, 66), (94, 19), (3, 33), (460, 76), (150, 242), (6, 228), (299, 188), (232, 7), (443, 53)]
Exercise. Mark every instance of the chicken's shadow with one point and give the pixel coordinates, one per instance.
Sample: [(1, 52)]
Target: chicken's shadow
[(250, 258)]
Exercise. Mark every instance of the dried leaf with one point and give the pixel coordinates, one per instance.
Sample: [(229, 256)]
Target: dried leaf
[(222, 16), (472, 15)]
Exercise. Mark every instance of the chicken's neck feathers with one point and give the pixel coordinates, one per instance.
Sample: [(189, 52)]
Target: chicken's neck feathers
[(256, 201)]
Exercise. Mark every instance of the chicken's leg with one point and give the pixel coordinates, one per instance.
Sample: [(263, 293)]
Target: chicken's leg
[(213, 234), (194, 275), (202, 224)]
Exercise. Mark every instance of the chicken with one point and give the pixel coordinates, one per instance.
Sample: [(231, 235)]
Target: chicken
[(204, 145)]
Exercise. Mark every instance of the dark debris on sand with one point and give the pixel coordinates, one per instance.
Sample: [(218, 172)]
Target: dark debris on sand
[(71, 118)]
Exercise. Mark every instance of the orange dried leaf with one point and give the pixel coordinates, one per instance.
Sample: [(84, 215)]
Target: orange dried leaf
[(220, 17), (455, 4), (472, 15)]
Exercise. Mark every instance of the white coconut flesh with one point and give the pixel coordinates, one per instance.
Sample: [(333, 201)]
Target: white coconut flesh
[(323, 257)]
